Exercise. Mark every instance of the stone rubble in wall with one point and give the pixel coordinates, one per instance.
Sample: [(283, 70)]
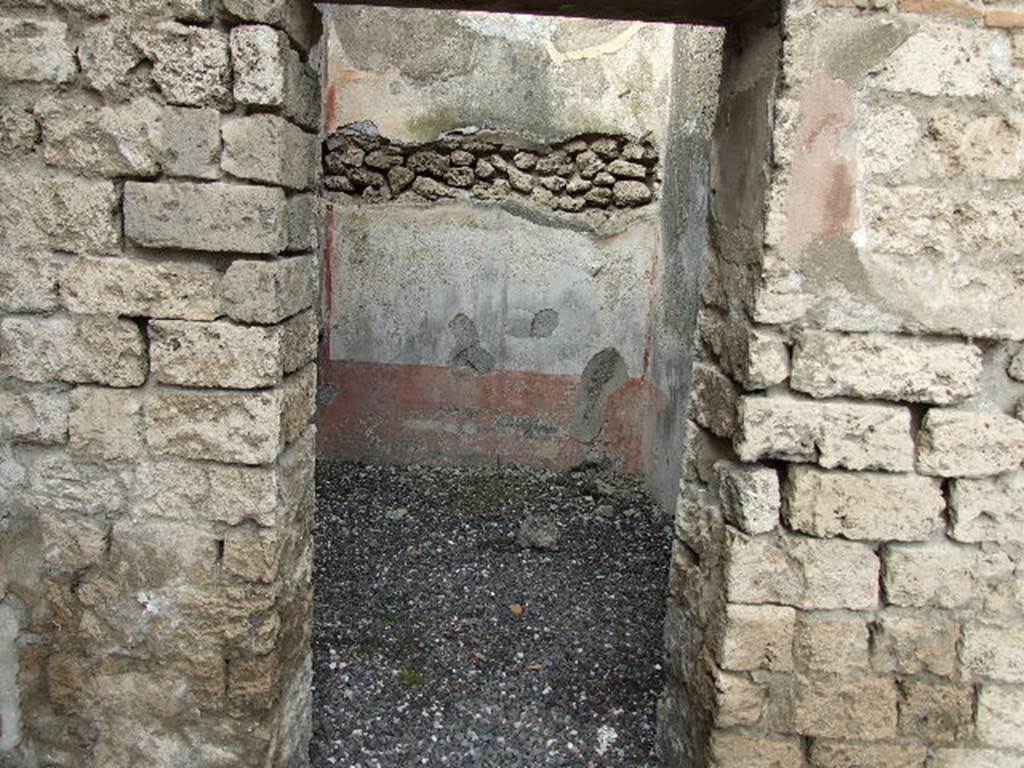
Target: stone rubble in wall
[(595, 173)]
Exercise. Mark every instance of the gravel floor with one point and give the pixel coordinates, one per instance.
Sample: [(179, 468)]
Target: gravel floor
[(450, 633)]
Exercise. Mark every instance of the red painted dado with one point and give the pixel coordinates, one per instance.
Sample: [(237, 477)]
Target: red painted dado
[(431, 415)]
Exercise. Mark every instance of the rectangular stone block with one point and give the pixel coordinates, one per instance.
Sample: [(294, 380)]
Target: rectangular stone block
[(862, 709), (841, 754), (225, 218), (106, 423), (941, 575), (847, 435), (991, 509), (750, 496), (253, 554), (812, 574), (35, 416), (299, 339), (189, 142), (73, 542), (993, 652), (295, 17), (832, 644), (60, 482), (137, 288), (35, 50), (714, 400), (757, 637), (735, 750), (305, 217), (80, 350), (218, 354), (192, 65), (162, 553), (268, 291), (872, 506), (936, 713), (739, 700), (29, 282), (875, 366), (955, 443), (967, 757), (1001, 716), (269, 149), (754, 357), (921, 642)]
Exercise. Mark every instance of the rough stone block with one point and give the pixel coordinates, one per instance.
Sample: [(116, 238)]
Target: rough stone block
[(72, 542), (189, 142), (162, 553), (738, 700), (757, 637), (111, 141), (866, 505), (915, 644), (841, 754), (219, 217), (735, 750), (106, 423), (299, 338), (29, 282), (846, 709), (35, 416), (253, 555), (805, 573), (750, 496), (18, 131), (137, 288), (1001, 716), (59, 212), (219, 354), (714, 400), (990, 509), (885, 367), (936, 713), (108, 57), (304, 222), (35, 50), (192, 65), (956, 443), (270, 149), (967, 757), (834, 644), (295, 17), (754, 357), (81, 350), (847, 435), (992, 651), (59, 482), (268, 291), (941, 575), (1016, 367), (260, 54)]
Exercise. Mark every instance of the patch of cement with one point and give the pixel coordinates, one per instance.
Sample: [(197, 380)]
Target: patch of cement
[(605, 373), (544, 323)]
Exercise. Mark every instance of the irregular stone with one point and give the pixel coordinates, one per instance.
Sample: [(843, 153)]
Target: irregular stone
[(577, 186), (431, 189), (110, 141), (831, 644), (82, 350), (189, 142), (915, 644), (941, 575), (631, 193), (624, 169), (218, 354), (989, 509), (18, 130), (604, 180), (366, 178), (605, 147), (106, 423), (1016, 367), (37, 416), (71, 542), (738, 700), (217, 217), (109, 57), (714, 399), (757, 637), (868, 505), (383, 160), (847, 435), (268, 291), (936, 713), (484, 169), (192, 64), (588, 165), (428, 162), (730, 749), (557, 162), (520, 181), (462, 159), (846, 709), (268, 148), (599, 197), (571, 204), (1001, 716), (399, 178), (460, 177), (29, 282), (136, 288), (956, 443), (841, 754), (750, 496), (524, 161), (35, 50), (538, 532)]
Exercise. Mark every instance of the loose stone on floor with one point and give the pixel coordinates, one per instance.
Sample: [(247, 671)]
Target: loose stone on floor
[(488, 617)]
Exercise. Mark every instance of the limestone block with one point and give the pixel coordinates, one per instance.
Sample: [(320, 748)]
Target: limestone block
[(735, 750), (299, 339), (956, 443), (1001, 716), (846, 709), (192, 65), (805, 573), (82, 350), (253, 555), (203, 492), (990, 509), (35, 416), (842, 754), (218, 354), (217, 217), (297, 18), (58, 211), (136, 288), (18, 130), (106, 423), (110, 141), (240, 494), (304, 223), (835, 644), (757, 637), (847, 435), (993, 651), (108, 56), (754, 357), (966, 757), (253, 682), (268, 291), (163, 552), (916, 643), (28, 282), (866, 505), (714, 400), (941, 575), (270, 149), (72, 542), (750, 496), (189, 142), (738, 700), (298, 403), (936, 713), (60, 482), (35, 50), (885, 367), (269, 73)]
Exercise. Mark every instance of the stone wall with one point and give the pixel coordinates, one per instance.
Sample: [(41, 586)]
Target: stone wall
[(157, 339)]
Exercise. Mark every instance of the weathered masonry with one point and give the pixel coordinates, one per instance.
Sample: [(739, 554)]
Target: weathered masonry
[(848, 580)]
